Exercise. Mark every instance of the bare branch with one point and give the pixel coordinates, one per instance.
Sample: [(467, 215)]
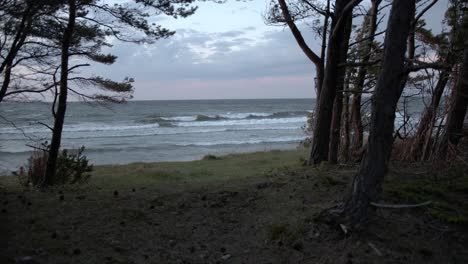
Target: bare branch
[(298, 35)]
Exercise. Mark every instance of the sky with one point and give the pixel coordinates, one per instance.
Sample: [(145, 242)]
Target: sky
[(223, 51)]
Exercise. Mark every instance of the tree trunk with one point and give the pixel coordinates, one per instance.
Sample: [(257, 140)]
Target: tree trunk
[(313, 57), (411, 45), (6, 81), (426, 124), (367, 183), (18, 42), (420, 147), (335, 136), (50, 173), (369, 27), (456, 115), (323, 51), (345, 126), (321, 134)]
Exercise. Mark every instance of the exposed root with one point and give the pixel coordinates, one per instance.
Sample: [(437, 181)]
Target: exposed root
[(399, 206)]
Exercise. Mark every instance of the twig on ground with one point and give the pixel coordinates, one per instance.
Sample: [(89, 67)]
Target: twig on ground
[(377, 251), (399, 206)]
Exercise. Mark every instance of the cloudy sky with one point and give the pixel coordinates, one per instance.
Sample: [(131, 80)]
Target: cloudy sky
[(224, 51)]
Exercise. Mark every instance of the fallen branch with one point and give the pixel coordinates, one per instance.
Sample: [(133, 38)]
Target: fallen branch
[(399, 206), (377, 251)]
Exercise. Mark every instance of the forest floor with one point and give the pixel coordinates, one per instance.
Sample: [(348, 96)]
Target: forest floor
[(248, 208)]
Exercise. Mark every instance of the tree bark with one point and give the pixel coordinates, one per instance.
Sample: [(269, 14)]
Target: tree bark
[(420, 147), (318, 61), (367, 183), (346, 124), (369, 27), (6, 81), (335, 136), (426, 124), (456, 115), (50, 173), (321, 134)]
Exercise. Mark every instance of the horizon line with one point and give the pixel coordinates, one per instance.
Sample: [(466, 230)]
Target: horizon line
[(148, 100)]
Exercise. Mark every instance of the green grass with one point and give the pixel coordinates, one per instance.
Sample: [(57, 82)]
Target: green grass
[(233, 167), (199, 172), (447, 190), (448, 193)]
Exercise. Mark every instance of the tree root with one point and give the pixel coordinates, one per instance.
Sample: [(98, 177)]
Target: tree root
[(399, 206)]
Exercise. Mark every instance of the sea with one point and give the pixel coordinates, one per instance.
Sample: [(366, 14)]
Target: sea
[(151, 131)]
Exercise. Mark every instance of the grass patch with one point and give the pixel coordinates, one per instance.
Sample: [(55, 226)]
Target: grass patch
[(211, 170), (449, 195), (288, 235), (201, 211), (276, 231)]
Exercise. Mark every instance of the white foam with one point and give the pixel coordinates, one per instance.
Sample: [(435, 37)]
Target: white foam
[(230, 115), (241, 142), (180, 118), (242, 122), (82, 127)]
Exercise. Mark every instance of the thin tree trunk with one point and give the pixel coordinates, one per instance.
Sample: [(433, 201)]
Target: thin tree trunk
[(456, 116), (424, 130), (335, 136), (346, 122), (370, 24), (421, 142), (411, 45), (322, 52), (367, 183), (6, 81), (313, 57), (18, 42), (50, 173), (321, 134)]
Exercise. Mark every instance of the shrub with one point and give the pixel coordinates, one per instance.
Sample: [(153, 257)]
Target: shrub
[(308, 130), (210, 157), (35, 168), (72, 167)]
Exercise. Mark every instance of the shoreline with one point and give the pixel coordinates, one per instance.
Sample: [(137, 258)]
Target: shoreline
[(6, 171)]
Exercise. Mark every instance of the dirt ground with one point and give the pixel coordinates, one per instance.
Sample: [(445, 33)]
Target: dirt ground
[(267, 219)]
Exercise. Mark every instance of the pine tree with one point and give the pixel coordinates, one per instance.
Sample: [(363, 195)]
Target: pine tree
[(85, 31)]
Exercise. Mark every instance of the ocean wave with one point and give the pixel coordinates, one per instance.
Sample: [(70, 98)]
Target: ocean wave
[(242, 142), (209, 118), (176, 131), (243, 122), (154, 122), (119, 147), (244, 115), (160, 132), (219, 117), (82, 127), (157, 127)]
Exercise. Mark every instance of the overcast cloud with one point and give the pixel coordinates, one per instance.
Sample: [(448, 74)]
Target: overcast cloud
[(223, 51)]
